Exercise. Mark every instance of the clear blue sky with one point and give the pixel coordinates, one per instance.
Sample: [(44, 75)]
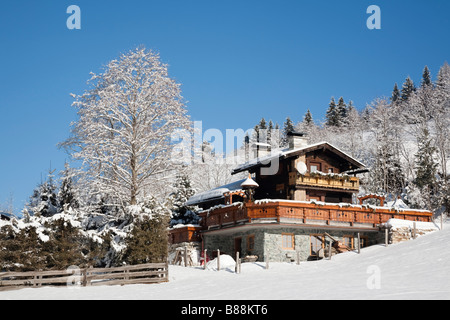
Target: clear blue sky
[(237, 61)]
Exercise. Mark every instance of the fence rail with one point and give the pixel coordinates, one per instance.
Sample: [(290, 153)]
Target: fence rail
[(137, 274)]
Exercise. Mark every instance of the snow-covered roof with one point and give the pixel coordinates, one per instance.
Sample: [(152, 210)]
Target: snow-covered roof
[(7, 215), (419, 225), (287, 153), (215, 194), (398, 204), (249, 183)]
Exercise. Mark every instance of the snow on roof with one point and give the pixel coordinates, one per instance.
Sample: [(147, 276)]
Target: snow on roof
[(7, 215), (249, 183), (398, 204), (286, 153), (216, 193), (400, 223)]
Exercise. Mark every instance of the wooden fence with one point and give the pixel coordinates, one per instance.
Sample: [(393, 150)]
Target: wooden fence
[(137, 274)]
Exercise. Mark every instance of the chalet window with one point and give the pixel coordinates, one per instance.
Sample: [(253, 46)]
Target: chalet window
[(348, 241), (288, 241), (364, 241), (330, 170), (251, 243), (314, 167)]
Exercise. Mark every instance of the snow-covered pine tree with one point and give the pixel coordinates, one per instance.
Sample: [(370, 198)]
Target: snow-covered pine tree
[(407, 89), (21, 249), (426, 166), (307, 118), (426, 77), (332, 115), (44, 201), (387, 173), (270, 132), (441, 120), (66, 195), (423, 189), (148, 239), (287, 127), (395, 94), (342, 113), (66, 245), (181, 213)]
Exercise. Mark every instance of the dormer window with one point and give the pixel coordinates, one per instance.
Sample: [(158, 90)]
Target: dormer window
[(314, 167)]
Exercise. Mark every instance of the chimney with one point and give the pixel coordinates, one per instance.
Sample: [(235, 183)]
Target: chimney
[(297, 140)]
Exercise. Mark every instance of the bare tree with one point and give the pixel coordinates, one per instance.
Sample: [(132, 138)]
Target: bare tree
[(125, 123)]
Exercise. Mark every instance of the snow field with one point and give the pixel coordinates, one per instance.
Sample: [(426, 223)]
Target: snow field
[(417, 269)]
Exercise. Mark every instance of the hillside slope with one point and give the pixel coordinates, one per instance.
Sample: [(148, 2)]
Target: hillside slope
[(418, 269)]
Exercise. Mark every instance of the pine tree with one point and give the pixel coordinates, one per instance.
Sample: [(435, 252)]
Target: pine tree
[(44, 200), (395, 94), (148, 241), (332, 116), (342, 113), (270, 132), (65, 247), (426, 77), (308, 119), (262, 131), (66, 195), (287, 127), (21, 249), (426, 167), (387, 174), (181, 213), (262, 124), (407, 89)]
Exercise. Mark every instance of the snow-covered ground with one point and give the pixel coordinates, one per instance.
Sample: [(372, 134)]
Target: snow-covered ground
[(417, 269)]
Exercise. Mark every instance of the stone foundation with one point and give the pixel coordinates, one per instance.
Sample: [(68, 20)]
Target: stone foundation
[(267, 242)]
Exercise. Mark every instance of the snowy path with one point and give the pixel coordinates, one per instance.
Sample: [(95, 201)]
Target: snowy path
[(418, 269)]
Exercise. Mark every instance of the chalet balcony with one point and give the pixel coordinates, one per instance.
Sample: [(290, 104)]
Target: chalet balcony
[(324, 181), (306, 213)]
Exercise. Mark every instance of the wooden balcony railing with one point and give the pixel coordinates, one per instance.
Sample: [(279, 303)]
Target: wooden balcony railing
[(185, 234), (324, 181), (283, 211)]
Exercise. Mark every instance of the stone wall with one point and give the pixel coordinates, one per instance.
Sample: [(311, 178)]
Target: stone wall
[(268, 242), (404, 230)]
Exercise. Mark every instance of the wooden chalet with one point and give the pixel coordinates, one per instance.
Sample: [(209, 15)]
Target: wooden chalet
[(295, 204)]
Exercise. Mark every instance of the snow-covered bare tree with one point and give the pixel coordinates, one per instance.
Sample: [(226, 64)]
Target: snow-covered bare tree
[(125, 123)]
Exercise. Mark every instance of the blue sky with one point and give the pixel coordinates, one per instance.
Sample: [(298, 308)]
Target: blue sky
[(237, 61)]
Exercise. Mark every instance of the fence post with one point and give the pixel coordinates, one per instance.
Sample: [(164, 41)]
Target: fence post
[(237, 262), (386, 237), (329, 250), (218, 259), (414, 230), (298, 257), (204, 259), (185, 256), (359, 243), (84, 277)]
